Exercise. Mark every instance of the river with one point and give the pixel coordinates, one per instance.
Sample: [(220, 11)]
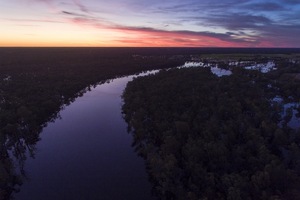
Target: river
[(87, 153)]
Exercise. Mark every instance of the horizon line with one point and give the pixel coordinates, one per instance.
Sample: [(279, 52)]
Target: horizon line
[(191, 47)]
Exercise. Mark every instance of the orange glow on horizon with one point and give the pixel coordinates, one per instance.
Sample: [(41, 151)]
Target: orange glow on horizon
[(82, 34), (122, 39), (88, 33)]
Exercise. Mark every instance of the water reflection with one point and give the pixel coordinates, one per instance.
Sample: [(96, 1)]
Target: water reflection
[(213, 68), (16, 145), (84, 154), (290, 115)]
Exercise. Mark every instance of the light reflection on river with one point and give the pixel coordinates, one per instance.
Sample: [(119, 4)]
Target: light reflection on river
[(87, 154)]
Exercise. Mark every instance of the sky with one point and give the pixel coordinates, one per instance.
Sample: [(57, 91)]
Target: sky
[(150, 23)]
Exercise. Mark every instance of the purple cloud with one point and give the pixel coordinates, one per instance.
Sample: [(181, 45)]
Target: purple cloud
[(265, 6), (238, 21), (179, 35), (81, 6), (73, 14), (293, 2)]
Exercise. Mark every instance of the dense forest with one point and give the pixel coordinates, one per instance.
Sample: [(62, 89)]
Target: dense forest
[(209, 137), (36, 83)]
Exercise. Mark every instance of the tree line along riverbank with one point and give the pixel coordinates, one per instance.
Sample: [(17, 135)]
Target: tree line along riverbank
[(36, 83), (209, 137)]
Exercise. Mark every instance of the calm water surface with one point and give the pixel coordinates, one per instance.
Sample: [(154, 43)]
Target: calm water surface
[(87, 154)]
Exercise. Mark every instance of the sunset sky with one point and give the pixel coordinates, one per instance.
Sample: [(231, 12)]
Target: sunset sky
[(163, 23)]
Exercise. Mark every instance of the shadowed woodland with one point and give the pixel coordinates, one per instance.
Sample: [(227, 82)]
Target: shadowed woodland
[(36, 83), (209, 137)]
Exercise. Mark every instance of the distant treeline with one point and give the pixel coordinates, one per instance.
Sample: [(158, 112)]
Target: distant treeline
[(146, 51), (205, 137)]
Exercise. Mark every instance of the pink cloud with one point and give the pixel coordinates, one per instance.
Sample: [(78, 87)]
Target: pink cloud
[(147, 36)]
